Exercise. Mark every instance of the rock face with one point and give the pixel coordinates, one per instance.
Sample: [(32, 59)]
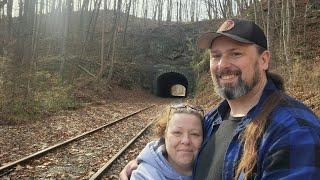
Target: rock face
[(162, 56), (168, 44)]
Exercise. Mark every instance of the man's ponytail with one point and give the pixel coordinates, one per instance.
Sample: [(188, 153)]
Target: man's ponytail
[(252, 134)]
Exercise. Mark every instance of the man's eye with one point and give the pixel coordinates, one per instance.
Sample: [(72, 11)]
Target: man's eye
[(235, 54), (216, 56)]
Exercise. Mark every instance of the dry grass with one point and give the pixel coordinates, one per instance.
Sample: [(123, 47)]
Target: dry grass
[(302, 80)]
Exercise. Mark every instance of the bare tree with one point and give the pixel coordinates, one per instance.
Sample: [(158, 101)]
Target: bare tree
[(255, 9), (145, 7), (94, 17), (112, 47), (307, 7), (263, 20), (223, 10), (271, 25), (294, 9), (102, 59), (160, 10), (154, 12), (285, 13), (169, 10), (127, 19), (68, 11), (20, 79), (197, 10), (9, 15), (229, 8), (84, 10), (2, 3), (180, 11), (210, 7), (192, 10)]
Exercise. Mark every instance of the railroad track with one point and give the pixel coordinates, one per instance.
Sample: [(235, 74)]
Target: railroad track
[(106, 166), (76, 142)]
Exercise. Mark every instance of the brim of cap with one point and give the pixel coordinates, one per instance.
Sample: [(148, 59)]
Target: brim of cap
[(205, 40)]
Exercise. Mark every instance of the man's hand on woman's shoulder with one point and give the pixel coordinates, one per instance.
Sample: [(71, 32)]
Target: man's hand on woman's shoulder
[(127, 170)]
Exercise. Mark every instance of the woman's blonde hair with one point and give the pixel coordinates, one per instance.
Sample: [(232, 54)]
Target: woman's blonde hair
[(169, 111)]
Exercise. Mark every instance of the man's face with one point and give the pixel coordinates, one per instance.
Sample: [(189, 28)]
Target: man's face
[(236, 68)]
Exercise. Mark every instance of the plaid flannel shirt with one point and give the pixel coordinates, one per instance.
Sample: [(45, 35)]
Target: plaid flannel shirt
[(289, 148)]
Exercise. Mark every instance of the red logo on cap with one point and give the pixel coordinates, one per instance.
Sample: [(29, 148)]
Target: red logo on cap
[(226, 26)]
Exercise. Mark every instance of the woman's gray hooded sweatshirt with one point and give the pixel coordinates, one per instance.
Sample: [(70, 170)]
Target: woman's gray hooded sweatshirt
[(153, 165)]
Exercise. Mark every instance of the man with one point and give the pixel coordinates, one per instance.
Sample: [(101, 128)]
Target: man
[(257, 132)]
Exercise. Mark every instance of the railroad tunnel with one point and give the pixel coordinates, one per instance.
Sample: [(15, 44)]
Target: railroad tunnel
[(172, 84)]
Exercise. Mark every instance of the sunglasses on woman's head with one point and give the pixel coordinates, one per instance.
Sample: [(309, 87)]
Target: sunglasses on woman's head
[(188, 106)]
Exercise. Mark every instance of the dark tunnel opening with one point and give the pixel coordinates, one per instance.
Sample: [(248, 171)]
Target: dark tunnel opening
[(166, 81)]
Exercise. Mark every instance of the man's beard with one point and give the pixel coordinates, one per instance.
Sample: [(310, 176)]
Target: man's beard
[(241, 88)]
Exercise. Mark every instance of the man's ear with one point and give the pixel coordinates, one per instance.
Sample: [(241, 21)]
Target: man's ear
[(264, 60)]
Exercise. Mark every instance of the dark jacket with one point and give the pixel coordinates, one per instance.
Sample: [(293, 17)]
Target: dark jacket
[(289, 148)]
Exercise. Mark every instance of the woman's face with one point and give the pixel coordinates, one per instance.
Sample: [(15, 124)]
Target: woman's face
[(183, 139)]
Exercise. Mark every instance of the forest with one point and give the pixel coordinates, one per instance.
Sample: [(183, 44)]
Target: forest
[(51, 49), (68, 67)]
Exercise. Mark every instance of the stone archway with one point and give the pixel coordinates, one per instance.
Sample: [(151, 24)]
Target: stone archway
[(166, 81)]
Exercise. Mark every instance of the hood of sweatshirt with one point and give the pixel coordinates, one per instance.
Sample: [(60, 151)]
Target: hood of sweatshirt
[(152, 154)]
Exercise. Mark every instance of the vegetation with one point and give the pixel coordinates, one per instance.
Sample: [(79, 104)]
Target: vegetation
[(56, 54)]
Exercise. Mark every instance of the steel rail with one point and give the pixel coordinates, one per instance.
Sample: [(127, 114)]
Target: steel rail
[(51, 148), (101, 171)]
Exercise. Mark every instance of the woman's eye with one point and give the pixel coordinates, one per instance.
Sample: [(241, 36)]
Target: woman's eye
[(176, 133)]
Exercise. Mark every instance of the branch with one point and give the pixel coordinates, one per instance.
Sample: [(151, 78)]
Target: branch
[(87, 71), (2, 3)]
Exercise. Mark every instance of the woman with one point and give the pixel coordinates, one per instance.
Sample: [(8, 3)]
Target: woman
[(171, 157)]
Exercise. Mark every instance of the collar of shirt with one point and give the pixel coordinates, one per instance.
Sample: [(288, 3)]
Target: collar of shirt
[(216, 115)]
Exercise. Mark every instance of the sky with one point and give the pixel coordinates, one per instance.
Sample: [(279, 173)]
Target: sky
[(139, 4)]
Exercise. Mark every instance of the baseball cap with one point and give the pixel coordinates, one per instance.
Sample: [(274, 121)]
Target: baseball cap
[(240, 30)]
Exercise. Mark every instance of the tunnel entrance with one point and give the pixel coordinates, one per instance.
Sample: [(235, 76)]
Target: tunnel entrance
[(172, 84)]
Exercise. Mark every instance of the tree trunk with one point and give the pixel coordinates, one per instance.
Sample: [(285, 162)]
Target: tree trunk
[(84, 10), (126, 25), (169, 10), (229, 9), (288, 34), (294, 9), (19, 82), (177, 12), (305, 23), (263, 17), (113, 40), (197, 10), (271, 31), (9, 14), (255, 11), (68, 11), (155, 8), (222, 10), (180, 11), (102, 59), (284, 30), (95, 15), (160, 7)]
